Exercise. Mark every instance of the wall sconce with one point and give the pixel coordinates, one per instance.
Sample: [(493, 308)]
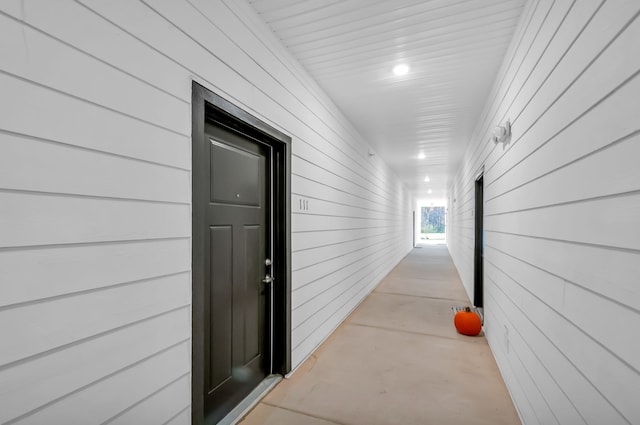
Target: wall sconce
[(501, 133)]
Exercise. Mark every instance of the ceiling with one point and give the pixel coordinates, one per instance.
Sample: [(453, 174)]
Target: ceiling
[(453, 48)]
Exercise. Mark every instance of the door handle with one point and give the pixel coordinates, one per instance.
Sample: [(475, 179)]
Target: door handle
[(268, 279)]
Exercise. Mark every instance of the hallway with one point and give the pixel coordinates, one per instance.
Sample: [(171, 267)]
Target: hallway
[(397, 360)]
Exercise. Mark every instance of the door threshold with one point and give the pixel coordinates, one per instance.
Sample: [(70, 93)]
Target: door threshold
[(239, 412)]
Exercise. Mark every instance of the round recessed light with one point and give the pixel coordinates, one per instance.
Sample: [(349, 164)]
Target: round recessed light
[(429, 191), (421, 156), (427, 179), (401, 69)]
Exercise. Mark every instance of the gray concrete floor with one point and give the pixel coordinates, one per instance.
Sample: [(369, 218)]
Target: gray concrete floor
[(397, 360)]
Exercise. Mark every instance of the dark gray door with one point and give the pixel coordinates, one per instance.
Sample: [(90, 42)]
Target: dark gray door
[(478, 256), (236, 246)]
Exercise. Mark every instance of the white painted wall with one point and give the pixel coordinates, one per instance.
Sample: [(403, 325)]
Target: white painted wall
[(562, 214), (95, 209)]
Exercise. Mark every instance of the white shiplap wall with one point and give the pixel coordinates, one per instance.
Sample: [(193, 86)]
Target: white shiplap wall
[(562, 214), (95, 200)]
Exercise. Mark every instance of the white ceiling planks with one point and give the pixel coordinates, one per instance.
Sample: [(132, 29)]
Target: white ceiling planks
[(454, 49)]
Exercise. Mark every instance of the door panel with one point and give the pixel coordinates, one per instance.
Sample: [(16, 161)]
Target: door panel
[(238, 229), (254, 307), (239, 170), (221, 285)]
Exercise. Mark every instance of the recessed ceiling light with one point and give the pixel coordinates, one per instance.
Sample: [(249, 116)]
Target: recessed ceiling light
[(427, 179), (421, 156), (429, 191), (401, 69)]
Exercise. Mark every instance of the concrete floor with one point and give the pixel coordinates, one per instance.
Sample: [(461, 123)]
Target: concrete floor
[(397, 360)]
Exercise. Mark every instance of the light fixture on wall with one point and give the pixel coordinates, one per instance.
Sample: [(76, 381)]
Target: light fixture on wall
[(502, 133)]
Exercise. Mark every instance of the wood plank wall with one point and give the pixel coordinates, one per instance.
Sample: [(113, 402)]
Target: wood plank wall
[(562, 214), (95, 200)]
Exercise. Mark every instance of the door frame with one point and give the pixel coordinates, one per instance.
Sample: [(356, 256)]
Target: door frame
[(212, 108), (478, 251), (413, 216)]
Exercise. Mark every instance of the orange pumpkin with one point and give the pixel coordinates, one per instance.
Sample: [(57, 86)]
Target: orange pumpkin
[(467, 322)]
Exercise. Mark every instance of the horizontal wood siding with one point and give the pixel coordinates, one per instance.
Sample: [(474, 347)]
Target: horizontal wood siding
[(95, 200), (561, 214)]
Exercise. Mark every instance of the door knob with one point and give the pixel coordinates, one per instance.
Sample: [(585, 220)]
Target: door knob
[(267, 279)]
